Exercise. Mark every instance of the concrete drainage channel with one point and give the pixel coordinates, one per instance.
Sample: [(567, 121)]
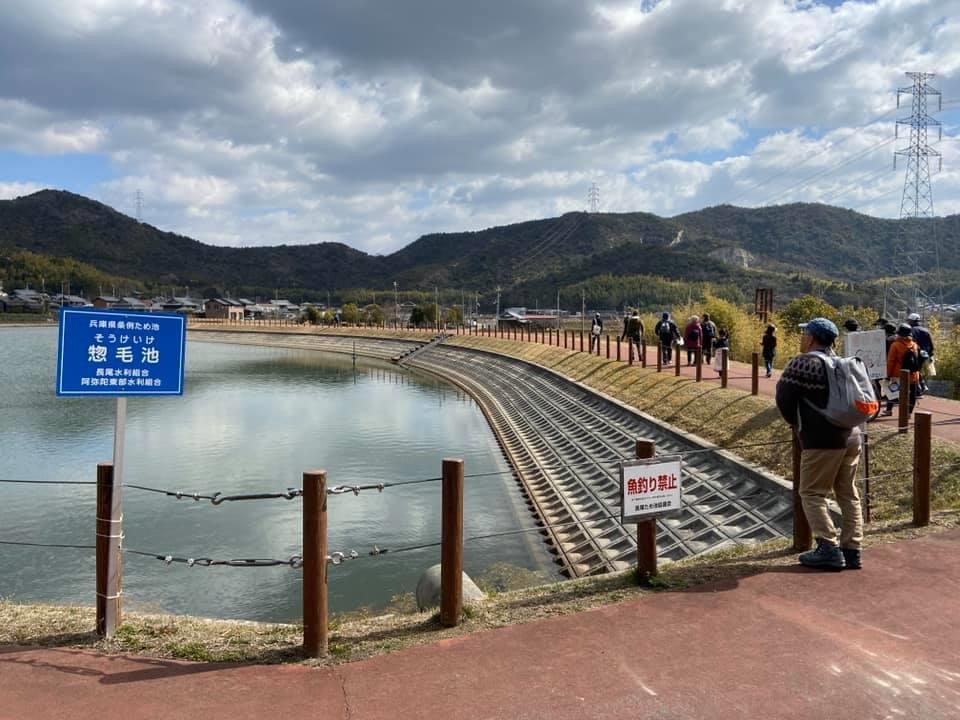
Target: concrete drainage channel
[(564, 443)]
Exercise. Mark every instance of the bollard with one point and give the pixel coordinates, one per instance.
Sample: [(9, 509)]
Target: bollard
[(608, 348), (646, 530), (618, 349), (451, 548), (903, 416), (724, 367), (564, 339), (109, 531), (802, 536), (630, 351), (315, 563), (755, 374), (699, 361), (676, 361), (659, 358), (581, 341), (643, 352), (922, 427)]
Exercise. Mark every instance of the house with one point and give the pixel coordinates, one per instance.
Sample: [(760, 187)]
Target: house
[(224, 309), (63, 300), (105, 301), (26, 300), (186, 305), (131, 304)]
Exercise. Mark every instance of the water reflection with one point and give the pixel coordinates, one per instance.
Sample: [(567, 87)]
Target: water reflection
[(251, 420)]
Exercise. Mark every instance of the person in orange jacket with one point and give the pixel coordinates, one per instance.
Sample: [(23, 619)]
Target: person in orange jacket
[(904, 353)]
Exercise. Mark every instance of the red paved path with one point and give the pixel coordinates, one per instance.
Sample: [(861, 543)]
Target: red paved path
[(883, 642)]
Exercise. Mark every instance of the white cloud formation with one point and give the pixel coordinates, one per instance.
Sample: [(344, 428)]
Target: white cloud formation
[(250, 122)]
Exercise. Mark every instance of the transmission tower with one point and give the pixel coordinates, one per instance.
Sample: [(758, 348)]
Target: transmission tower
[(593, 198), (917, 252), (139, 206)]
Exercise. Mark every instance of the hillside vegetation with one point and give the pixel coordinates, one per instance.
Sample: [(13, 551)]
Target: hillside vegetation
[(613, 259)]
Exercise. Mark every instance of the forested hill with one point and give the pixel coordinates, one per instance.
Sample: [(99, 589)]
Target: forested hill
[(722, 244)]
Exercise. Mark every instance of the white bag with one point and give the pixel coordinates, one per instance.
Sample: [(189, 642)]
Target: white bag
[(679, 342), (889, 389), (931, 368), (718, 360)]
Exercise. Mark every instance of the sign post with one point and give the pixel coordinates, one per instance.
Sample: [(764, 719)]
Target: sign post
[(115, 354), (649, 488)]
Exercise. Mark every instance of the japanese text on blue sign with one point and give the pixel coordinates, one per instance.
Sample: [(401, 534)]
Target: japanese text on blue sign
[(120, 354)]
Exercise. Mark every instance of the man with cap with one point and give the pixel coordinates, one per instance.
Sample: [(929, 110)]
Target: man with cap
[(596, 329), (924, 341), (829, 453)]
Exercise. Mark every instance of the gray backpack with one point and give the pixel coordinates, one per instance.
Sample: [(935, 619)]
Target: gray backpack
[(851, 400)]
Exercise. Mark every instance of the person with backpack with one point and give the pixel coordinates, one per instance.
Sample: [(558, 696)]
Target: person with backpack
[(904, 354), (924, 340), (666, 331), (596, 329), (721, 346), (830, 452), (709, 337), (693, 338), (633, 331), (768, 347)]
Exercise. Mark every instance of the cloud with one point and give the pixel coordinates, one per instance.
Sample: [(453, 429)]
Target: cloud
[(275, 121)]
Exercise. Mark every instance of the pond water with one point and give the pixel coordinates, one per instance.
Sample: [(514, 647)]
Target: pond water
[(251, 420)]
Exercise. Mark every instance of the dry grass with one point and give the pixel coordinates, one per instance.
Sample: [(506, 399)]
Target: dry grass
[(360, 636)]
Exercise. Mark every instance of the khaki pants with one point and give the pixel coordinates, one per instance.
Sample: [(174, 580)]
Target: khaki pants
[(822, 471)]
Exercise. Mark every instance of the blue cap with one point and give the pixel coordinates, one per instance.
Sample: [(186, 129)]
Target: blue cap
[(823, 330)]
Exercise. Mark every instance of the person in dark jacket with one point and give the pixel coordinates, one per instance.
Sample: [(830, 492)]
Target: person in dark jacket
[(829, 454), (693, 338), (768, 346), (667, 333), (596, 330), (709, 337), (633, 332), (924, 341)]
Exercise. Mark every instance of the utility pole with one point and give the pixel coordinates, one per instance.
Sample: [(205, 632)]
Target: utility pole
[(497, 326), (396, 305), (558, 311), (583, 309), (917, 250), (436, 305)]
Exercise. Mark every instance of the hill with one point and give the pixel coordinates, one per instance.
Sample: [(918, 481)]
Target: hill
[(788, 246)]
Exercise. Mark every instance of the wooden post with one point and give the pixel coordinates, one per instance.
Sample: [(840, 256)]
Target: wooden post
[(109, 531), (565, 339), (643, 352), (802, 536), (755, 374), (630, 351), (659, 358), (724, 367), (676, 361), (451, 549), (699, 361), (922, 425), (608, 348), (581, 341), (647, 529), (866, 475), (618, 349), (903, 417), (315, 563)]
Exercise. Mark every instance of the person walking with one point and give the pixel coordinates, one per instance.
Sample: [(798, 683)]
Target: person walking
[(709, 337), (768, 346), (667, 332), (904, 354), (722, 346), (693, 338), (924, 340), (633, 331), (596, 329), (829, 454)]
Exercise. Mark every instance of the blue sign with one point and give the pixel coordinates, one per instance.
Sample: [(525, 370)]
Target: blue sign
[(104, 352)]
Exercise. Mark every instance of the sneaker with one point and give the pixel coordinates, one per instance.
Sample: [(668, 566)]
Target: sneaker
[(851, 558), (824, 556)]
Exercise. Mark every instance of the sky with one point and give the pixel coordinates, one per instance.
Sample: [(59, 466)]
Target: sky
[(373, 122)]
